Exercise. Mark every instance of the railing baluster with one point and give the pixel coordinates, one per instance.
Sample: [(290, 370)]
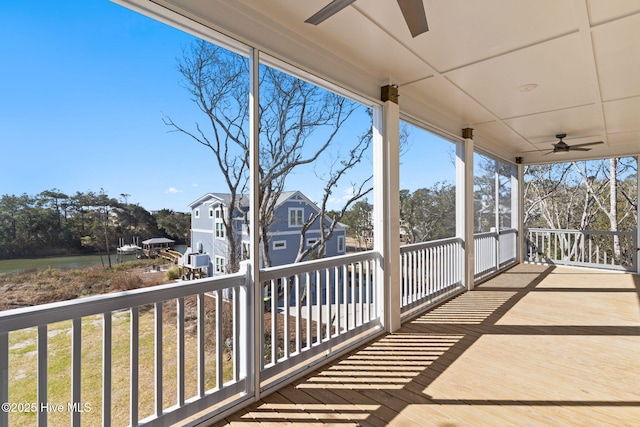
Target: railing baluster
[(338, 298), (157, 341), (360, 284), (201, 353), (307, 297), (403, 280), (286, 314), (328, 294), (106, 367), (180, 350), (352, 302), (134, 336), (236, 333), (345, 296), (4, 376), (274, 320), (76, 370), (423, 281), (219, 340), (42, 374), (298, 315), (318, 307), (367, 288)]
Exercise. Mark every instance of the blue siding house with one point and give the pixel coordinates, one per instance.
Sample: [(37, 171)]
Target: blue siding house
[(292, 209)]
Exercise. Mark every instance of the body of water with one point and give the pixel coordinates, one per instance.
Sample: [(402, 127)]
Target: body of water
[(77, 261)]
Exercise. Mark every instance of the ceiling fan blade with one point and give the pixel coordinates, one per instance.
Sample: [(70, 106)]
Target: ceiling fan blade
[(579, 149), (573, 147), (328, 11), (415, 16)]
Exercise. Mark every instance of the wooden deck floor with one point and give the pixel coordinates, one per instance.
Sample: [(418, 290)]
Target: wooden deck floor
[(535, 346)]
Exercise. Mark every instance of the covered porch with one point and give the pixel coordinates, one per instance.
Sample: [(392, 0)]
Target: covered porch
[(406, 334), (536, 345)]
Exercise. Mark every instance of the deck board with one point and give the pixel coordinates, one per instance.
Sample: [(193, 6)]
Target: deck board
[(534, 346)]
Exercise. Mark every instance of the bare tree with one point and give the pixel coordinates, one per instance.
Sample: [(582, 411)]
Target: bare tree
[(606, 201), (298, 123), (340, 167), (218, 82), (582, 195)]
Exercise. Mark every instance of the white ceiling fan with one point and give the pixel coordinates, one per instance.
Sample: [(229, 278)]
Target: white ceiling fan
[(412, 10)]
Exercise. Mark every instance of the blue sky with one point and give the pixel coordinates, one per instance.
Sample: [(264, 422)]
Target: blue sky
[(83, 89)]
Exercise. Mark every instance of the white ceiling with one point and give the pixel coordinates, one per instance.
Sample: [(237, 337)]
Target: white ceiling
[(467, 71)]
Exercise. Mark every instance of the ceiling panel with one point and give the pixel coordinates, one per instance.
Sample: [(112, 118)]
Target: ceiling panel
[(558, 68), (467, 31), (623, 116), (440, 94), (497, 131), (601, 11), (542, 128), (626, 139), (617, 51)]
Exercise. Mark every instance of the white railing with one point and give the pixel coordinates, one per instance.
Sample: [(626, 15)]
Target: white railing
[(157, 356), (589, 248), (160, 355), (313, 309), (431, 272), (147, 356), (494, 251)]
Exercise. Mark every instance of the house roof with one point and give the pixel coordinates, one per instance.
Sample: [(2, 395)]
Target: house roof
[(157, 241), (517, 72), (225, 198)]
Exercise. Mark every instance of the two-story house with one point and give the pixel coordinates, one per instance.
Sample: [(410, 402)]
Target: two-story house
[(208, 234)]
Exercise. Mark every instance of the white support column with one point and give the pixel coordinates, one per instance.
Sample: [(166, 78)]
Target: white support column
[(496, 207), (517, 204), (461, 225), (387, 204), (469, 251), (254, 294)]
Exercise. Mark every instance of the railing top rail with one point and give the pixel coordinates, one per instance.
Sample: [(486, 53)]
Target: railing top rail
[(604, 232), (429, 244), (317, 264), (26, 317), (485, 234), (495, 233)]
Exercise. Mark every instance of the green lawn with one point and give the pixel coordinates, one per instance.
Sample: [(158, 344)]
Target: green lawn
[(23, 365)]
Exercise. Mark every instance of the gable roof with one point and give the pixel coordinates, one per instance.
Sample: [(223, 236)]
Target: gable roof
[(243, 201), (224, 198)]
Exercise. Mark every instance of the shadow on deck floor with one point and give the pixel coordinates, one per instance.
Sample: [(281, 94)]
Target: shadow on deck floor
[(535, 346)]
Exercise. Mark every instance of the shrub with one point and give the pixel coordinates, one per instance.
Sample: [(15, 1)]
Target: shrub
[(173, 273), (125, 281)]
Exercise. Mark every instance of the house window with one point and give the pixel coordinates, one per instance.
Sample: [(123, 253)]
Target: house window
[(210, 212), (196, 213), (295, 217), (340, 244), (219, 230), (218, 213), (220, 263), (279, 244), (311, 241)]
